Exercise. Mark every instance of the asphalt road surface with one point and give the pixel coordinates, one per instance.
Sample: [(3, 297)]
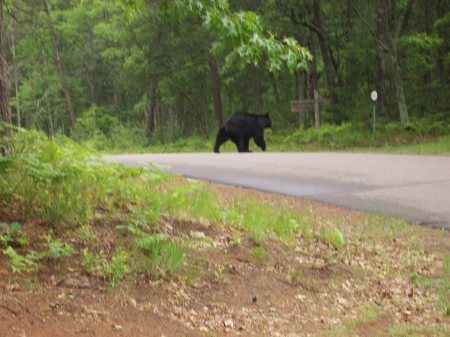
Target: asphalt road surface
[(416, 188)]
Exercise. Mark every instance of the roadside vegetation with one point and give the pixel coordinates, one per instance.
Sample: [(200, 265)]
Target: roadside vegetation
[(70, 220), (424, 136), (57, 182)]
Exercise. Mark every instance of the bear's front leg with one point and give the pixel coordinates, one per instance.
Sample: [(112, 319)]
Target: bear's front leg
[(242, 144), (261, 142)]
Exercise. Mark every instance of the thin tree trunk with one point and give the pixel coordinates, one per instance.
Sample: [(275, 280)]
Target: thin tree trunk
[(16, 77), (302, 89), (5, 109), (316, 109), (380, 32), (59, 66), (257, 94), (158, 117), (150, 111), (172, 121), (115, 100), (302, 93), (398, 83), (396, 30), (276, 93), (51, 130), (327, 59), (92, 75), (216, 90), (184, 117), (312, 70)]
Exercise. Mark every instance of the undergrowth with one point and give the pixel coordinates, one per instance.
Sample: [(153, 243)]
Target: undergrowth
[(64, 186), (424, 135)]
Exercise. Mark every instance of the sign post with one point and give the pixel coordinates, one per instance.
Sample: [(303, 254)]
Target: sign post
[(374, 96), (309, 105)]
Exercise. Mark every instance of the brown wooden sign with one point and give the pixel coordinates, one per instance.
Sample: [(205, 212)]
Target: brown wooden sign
[(309, 105)]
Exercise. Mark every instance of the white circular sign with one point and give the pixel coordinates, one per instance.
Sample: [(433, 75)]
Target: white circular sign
[(374, 95)]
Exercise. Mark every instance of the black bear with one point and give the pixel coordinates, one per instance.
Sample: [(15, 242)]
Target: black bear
[(242, 126)]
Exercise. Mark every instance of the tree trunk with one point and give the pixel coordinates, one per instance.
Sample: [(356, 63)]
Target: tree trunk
[(51, 129), (301, 84), (312, 70), (59, 66), (398, 83), (91, 79), (216, 90), (150, 111), (276, 93), (5, 109), (316, 109), (327, 59), (172, 122), (16, 76), (184, 114), (158, 117), (257, 95), (397, 26), (380, 32)]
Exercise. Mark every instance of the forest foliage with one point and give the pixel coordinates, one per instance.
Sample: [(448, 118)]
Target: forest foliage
[(154, 72)]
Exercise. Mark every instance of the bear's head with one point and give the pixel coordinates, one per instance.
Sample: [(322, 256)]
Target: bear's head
[(264, 121)]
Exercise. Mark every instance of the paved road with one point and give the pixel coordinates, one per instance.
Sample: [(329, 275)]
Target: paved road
[(416, 188)]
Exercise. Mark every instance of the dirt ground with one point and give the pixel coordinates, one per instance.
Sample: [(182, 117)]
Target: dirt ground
[(302, 289)]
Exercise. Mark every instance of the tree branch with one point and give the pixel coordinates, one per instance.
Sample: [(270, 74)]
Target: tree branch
[(366, 23), (290, 13), (405, 18)]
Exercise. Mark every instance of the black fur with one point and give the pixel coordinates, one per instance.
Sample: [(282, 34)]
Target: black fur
[(242, 126)]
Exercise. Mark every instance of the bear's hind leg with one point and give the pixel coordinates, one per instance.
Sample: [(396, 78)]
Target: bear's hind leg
[(222, 137), (243, 144), (246, 144)]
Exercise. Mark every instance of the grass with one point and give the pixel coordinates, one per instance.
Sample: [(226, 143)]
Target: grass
[(278, 141), (411, 330), (423, 135), (259, 253), (371, 314), (440, 146), (350, 327), (57, 182), (157, 256), (117, 268)]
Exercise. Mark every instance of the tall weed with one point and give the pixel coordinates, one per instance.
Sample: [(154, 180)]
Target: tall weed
[(158, 256)]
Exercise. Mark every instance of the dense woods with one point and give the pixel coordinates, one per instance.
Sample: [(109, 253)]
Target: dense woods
[(157, 71)]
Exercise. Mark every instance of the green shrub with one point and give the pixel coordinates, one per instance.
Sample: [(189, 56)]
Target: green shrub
[(358, 135), (56, 249), (58, 181), (92, 262), (10, 234), (332, 236), (19, 263), (114, 271), (258, 253)]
